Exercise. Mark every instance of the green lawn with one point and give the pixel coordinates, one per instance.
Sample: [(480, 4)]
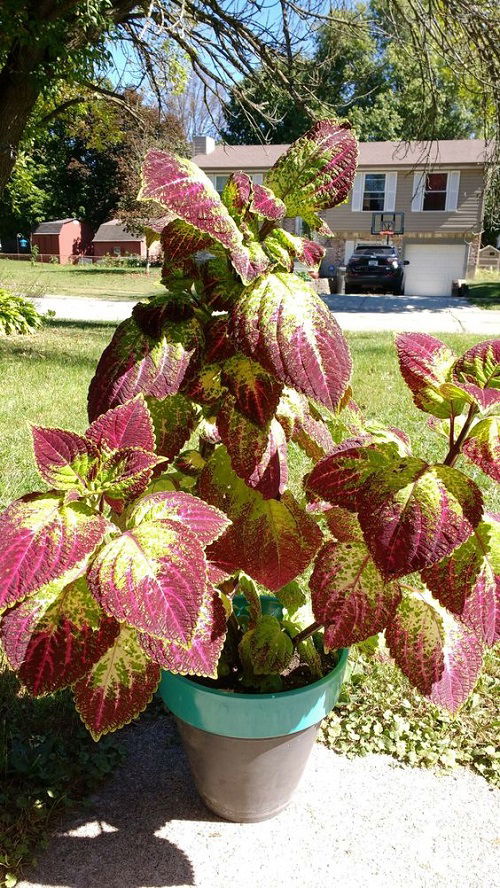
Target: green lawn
[(484, 294), (86, 280)]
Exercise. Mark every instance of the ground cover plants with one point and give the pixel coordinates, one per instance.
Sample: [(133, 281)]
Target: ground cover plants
[(138, 547)]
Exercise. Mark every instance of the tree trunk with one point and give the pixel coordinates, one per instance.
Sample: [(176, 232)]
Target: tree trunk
[(19, 91)]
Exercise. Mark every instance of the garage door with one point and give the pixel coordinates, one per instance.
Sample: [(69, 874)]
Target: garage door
[(432, 268)]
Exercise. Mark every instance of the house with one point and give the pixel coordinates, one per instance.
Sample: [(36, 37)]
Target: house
[(61, 239), (438, 186), (113, 239)]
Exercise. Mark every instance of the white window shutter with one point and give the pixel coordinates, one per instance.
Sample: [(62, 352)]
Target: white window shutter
[(391, 181), (452, 187), (417, 199), (257, 178), (357, 193)]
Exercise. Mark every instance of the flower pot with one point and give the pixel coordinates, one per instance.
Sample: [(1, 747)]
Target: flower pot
[(247, 752)]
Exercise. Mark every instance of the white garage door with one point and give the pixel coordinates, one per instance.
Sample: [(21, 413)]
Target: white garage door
[(432, 268)]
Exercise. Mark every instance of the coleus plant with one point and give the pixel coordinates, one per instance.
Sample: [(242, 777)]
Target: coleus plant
[(178, 495)]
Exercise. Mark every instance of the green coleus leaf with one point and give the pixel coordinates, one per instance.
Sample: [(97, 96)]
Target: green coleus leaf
[(482, 446), (123, 475), (413, 514), (173, 418), (343, 525), (316, 172), (135, 362), (303, 424), (248, 588), (118, 687), (440, 655), (44, 540), (478, 373), (206, 387), (284, 248), (339, 477), (467, 582), (255, 391), (292, 596), (201, 655), (258, 455), (283, 325), (273, 541), (54, 637), (349, 595), (267, 648), (243, 198), (426, 364), (153, 577), (205, 521)]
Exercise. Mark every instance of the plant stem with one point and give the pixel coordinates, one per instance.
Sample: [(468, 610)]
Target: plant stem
[(266, 229), (455, 448), (306, 633)]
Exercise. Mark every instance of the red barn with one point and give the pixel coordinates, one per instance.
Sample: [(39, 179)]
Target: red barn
[(113, 239), (62, 238)]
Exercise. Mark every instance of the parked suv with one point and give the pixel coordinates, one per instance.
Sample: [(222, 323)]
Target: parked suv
[(375, 267)]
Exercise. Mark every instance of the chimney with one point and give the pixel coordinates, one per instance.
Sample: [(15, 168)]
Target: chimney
[(203, 145)]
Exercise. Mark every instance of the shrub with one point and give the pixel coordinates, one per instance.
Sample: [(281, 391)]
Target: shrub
[(17, 314)]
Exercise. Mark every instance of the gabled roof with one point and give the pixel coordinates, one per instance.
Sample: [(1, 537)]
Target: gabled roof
[(114, 230), (52, 227), (453, 152)]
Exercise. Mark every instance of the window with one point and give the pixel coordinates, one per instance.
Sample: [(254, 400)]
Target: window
[(374, 192), (220, 181), (435, 191)]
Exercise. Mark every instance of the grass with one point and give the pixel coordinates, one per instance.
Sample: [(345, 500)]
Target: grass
[(86, 280), (484, 290)]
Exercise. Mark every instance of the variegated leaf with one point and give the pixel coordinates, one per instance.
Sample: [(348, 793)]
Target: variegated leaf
[(478, 372), (45, 540), (284, 247), (317, 171), (258, 455), (267, 647), (256, 392), (124, 474), (413, 514), (467, 582), (350, 598), (273, 541), (118, 687), (340, 476), (201, 656), (206, 387), (180, 242), (426, 364), (133, 363), (302, 424), (219, 347), (205, 521), (439, 655), (152, 577), (343, 525), (283, 325), (482, 446), (128, 425), (53, 638), (174, 418), (64, 459)]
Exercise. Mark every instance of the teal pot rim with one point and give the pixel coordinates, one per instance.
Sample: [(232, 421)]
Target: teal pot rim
[(253, 716)]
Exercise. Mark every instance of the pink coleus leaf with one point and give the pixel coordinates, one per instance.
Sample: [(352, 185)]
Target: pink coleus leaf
[(302, 424), (174, 419), (413, 514), (128, 425), (266, 204), (467, 582), (241, 195), (64, 459), (180, 241), (152, 577), (205, 521), (45, 540), (349, 595), (273, 541), (133, 363), (201, 656), (426, 364), (53, 638), (154, 227), (340, 476), (441, 656), (284, 326), (125, 473), (478, 372), (256, 392), (118, 687), (482, 446), (258, 455)]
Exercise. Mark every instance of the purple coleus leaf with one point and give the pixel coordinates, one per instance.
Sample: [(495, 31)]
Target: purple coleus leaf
[(64, 459), (273, 541), (349, 595), (205, 521), (440, 655), (284, 326), (340, 476), (45, 540), (118, 687), (181, 241), (153, 577), (478, 372), (303, 424), (255, 391), (135, 363), (128, 425), (218, 345), (201, 656), (241, 196), (467, 582), (266, 204), (482, 446), (206, 387), (343, 525), (413, 514), (53, 638), (316, 172), (426, 364), (258, 454)]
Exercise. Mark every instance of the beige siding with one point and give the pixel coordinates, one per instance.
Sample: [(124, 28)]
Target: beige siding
[(465, 218)]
